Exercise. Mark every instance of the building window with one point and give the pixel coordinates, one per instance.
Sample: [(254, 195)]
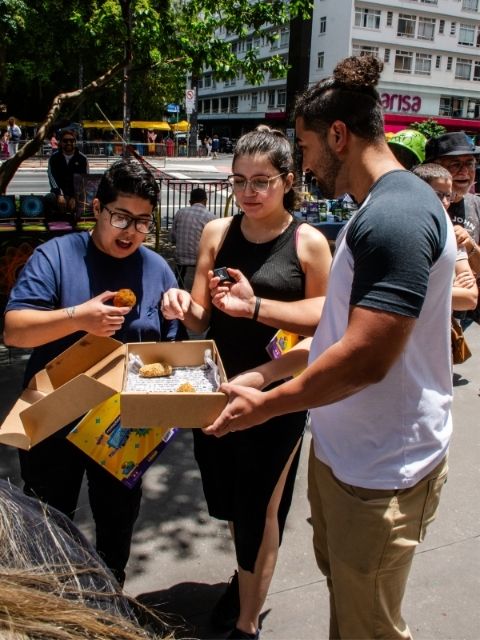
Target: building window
[(320, 59), (234, 46), (476, 71), (423, 64), (206, 106), (466, 35), (406, 25), (449, 63), (453, 28), (386, 55), (323, 24), (284, 37), (207, 80), (214, 105), (368, 18), (281, 98), (463, 69), (233, 104), (470, 5), (438, 62), (224, 105), (403, 61), (271, 98), (254, 102), (441, 26), (429, 1), (389, 18), (364, 50), (451, 106), (426, 28)]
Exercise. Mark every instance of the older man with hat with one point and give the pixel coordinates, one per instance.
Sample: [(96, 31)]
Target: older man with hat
[(458, 154)]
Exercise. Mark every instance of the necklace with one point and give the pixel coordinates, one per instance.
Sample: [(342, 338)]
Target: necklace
[(268, 235)]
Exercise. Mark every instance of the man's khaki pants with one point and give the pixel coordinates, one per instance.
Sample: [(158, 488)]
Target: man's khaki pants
[(364, 541)]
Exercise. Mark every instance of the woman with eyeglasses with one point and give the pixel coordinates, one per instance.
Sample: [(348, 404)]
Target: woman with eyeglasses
[(65, 291), (276, 271)]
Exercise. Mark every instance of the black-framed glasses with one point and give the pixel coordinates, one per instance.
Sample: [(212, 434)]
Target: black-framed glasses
[(68, 140), (455, 166), (259, 184), (123, 221)]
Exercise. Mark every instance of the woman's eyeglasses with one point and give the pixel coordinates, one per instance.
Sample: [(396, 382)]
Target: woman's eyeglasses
[(123, 221), (259, 184)]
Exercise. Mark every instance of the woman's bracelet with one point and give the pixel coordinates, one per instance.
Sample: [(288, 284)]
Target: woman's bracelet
[(258, 302), (70, 311)]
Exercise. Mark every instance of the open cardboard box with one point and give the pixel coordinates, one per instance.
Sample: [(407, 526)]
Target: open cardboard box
[(92, 370)]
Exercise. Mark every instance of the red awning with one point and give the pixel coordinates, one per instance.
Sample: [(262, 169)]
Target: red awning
[(396, 122)]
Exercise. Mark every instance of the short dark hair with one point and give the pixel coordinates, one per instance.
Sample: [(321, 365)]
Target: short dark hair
[(432, 171), (198, 195), (348, 95), (127, 177), (274, 144)]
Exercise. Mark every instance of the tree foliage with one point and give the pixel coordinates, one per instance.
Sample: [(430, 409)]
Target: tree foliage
[(60, 45), (430, 128)]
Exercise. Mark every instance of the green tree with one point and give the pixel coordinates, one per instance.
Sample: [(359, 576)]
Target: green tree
[(430, 128)]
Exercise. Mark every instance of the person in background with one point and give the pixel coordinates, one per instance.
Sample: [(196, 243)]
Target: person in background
[(60, 203), (53, 142), (465, 290), (14, 135), (458, 154), (408, 147), (65, 291), (215, 145), (378, 382), (273, 262), (187, 228)]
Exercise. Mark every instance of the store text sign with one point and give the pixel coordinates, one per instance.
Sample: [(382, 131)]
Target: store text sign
[(397, 102)]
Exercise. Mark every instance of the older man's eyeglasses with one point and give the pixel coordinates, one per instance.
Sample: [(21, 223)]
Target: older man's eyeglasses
[(259, 184), (457, 165), (123, 221)]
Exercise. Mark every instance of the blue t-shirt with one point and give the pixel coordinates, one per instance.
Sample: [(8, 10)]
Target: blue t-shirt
[(69, 270)]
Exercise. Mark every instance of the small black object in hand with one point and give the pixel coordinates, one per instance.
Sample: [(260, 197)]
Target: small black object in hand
[(223, 274)]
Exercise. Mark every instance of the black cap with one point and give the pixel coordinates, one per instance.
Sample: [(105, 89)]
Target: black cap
[(456, 143)]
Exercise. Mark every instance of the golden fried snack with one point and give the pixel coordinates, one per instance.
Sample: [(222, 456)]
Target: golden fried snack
[(124, 298), (186, 387), (155, 370)]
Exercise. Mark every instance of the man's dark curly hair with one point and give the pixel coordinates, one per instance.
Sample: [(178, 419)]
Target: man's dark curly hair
[(348, 95)]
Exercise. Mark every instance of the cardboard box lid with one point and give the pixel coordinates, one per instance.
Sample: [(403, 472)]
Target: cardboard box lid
[(85, 354)]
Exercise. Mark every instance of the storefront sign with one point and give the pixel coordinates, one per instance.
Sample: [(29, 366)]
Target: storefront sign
[(401, 103)]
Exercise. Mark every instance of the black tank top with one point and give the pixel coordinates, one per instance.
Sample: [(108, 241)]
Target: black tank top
[(274, 272)]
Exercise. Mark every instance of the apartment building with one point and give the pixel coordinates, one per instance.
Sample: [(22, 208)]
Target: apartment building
[(430, 50)]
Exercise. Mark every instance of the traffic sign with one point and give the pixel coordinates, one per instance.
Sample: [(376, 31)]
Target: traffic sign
[(173, 108)]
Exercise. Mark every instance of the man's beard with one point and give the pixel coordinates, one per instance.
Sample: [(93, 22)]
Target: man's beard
[(330, 168)]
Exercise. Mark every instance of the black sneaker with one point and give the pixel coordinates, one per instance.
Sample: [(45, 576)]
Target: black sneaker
[(226, 611), (238, 634)]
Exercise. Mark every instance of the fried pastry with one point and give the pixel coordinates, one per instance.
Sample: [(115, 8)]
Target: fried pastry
[(155, 370), (124, 298), (186, 387)]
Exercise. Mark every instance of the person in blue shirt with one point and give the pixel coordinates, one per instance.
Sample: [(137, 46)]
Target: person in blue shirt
[(66, 290)]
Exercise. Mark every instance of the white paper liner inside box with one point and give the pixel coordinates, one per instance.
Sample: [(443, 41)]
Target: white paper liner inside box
[(204, 378)]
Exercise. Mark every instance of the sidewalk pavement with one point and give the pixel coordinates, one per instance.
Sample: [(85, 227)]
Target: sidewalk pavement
[(181, 558)]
